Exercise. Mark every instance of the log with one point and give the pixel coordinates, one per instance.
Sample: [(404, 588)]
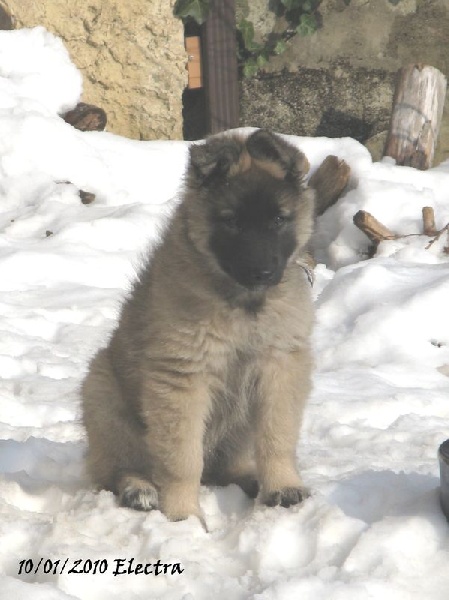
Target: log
[(86, 117), (416, 118), (86, 197), (428, 218), (329, 181), (372, 228)]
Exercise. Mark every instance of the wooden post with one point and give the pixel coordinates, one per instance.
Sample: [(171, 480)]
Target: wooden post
[(417, 110), (220, 73)]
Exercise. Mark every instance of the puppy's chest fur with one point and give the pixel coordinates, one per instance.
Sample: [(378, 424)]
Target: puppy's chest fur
[(232, 364), (236, 346)]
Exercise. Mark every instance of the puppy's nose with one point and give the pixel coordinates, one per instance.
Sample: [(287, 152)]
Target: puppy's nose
[(261, 276)]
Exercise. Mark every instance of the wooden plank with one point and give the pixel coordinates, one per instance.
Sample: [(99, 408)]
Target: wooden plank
[(194, 70), (417, 110), (220, 74)]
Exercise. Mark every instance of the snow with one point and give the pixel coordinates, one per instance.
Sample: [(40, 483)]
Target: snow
[(372, 529)]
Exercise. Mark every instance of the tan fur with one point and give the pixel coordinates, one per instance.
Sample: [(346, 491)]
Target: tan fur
[(194, 387), (243, 164)]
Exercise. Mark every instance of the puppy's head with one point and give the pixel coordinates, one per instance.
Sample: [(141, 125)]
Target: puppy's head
[(257, 211)]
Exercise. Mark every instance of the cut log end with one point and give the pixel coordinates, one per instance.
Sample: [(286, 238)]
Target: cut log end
[(329, 181), (372, 228), (86, 197), (86, 117), (428, 217)]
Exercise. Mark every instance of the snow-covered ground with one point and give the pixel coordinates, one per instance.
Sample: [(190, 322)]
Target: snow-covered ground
[(379, 409)]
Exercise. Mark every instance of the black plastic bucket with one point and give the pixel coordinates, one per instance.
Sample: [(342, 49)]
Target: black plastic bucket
[(443, 455)]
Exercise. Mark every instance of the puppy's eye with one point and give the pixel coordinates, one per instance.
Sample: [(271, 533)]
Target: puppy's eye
[(279, 220), (229, 221)]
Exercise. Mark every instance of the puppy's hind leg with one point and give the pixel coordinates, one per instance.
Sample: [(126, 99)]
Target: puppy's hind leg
[(117, 456)]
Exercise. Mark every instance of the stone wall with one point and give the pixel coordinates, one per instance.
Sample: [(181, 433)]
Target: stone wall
[(340, 80), (131, 55)]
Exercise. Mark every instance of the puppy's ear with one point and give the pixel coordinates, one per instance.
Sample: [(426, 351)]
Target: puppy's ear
[(215, 157), (268, 147)]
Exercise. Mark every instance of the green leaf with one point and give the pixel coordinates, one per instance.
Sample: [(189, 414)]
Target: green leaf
[(280, 47), (196, 9), (307, 25), (261, 60), (291, 4), (246, 28), (309, 5), (250, 68)]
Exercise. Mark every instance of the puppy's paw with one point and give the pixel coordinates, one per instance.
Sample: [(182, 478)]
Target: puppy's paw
[(200, 518), (179, 504), (138, 494), (287, 496), (181, 513)]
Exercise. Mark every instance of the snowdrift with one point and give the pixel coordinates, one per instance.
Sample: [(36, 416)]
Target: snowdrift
[(380, 406)]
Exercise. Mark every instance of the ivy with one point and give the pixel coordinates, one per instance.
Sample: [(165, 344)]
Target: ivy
[(280, 47), (197, 10), (393, 2), (290, 4), (307, 24), (300, 17), (246, 29)]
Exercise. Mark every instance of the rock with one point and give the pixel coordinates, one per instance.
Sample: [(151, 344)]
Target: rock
[(131, 55)]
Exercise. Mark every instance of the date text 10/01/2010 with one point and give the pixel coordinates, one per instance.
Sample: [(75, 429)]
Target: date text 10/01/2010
[(119, 566)]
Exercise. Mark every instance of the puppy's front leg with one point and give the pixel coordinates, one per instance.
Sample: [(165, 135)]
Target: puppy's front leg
[(283, 389), (175, 408)]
